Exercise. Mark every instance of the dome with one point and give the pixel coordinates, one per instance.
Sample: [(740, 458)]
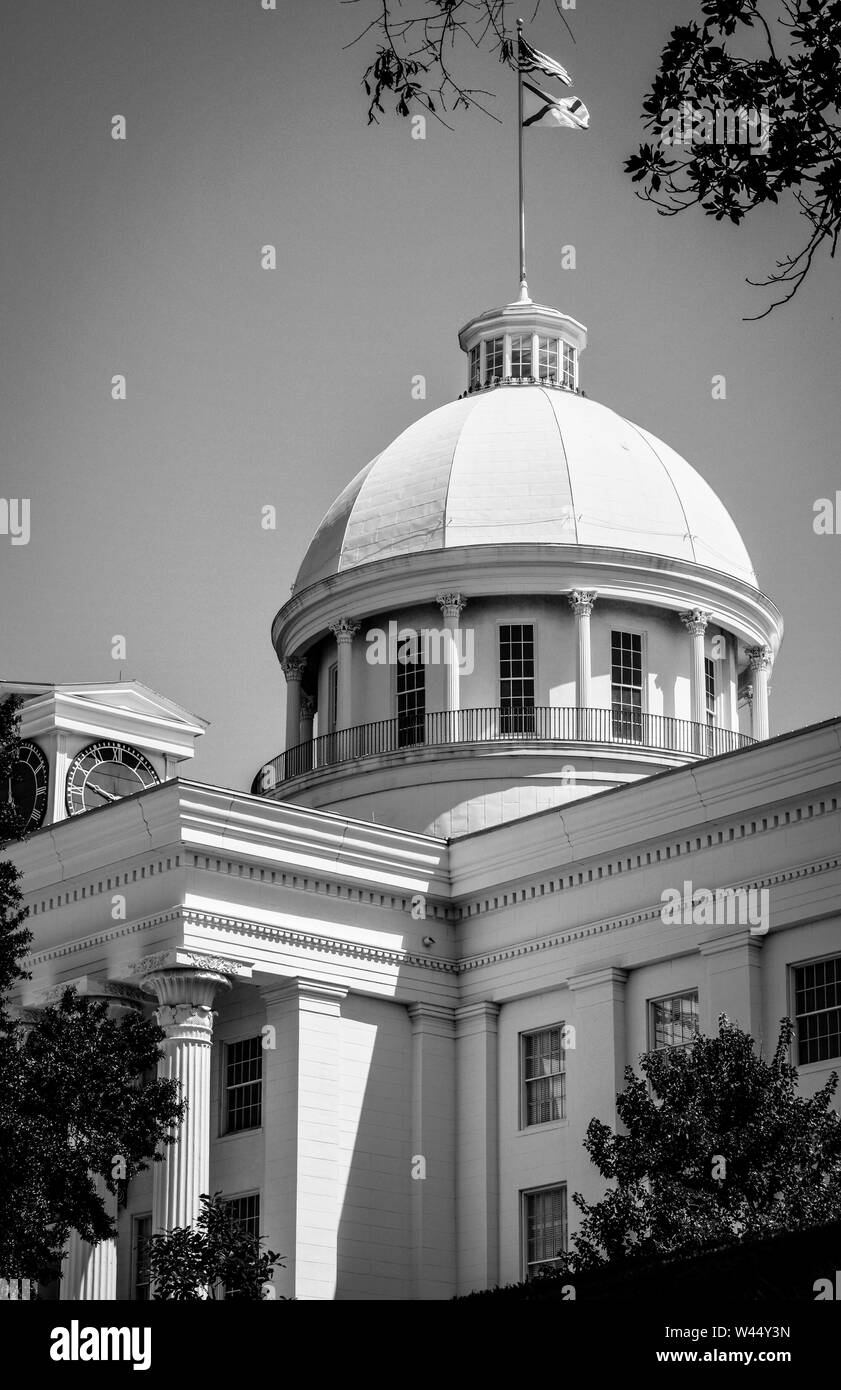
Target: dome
[(526, 463)]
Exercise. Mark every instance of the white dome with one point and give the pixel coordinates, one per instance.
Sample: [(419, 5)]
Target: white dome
[(521, 464)]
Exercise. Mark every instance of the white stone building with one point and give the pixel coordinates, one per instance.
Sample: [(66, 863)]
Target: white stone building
[(401, 974)]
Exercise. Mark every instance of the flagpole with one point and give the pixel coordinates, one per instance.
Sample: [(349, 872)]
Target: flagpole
[(524, 289)]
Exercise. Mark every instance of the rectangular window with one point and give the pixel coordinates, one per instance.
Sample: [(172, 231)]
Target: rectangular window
[(521, 356), (332, 697), (817, 1007), (544, 1228), (141, 1234), (516, 678), (543, 1076), (475, 366), (626, 684), (570, 366), (709, 688), (493, 360), (245, 1211), (243, 1085), (547, 353), (411, 702), (674, 1021)]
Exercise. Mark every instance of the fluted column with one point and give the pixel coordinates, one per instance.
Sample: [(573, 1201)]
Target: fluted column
[(185, 997), (90, 1271), (760, 665), (293, 670), (451, 605), (695, 622), (581, 602), (344, 630)]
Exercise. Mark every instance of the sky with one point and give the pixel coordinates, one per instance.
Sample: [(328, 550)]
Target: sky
[(248, 388)]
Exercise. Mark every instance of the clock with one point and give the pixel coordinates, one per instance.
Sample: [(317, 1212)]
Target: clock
[(105, 772), (27, 787)]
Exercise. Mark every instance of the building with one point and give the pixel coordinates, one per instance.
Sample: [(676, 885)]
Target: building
[(527, 665)]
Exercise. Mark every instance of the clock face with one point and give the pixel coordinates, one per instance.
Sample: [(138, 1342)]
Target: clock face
[(106, 772), (27, 785)]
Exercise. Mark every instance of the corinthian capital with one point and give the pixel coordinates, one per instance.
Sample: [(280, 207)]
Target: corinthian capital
[(581, 602), (451, 604), (759, 658), (344, 629), (293, 668), (695, 621)]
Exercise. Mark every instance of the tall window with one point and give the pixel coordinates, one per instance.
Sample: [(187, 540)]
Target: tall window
[(544, 1227), (569, 366), (709, 688), (411, 702), (243, 1085), (141, 1235), (674, 1021), (475, 366), (547, 355), (521, 356), (332, 696), (493, 359), (543, 1076), (245, 1211), (626, 684), (817, 1006), (516, 678)]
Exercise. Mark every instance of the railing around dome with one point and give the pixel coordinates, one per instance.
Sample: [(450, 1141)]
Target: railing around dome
[(517, 724)]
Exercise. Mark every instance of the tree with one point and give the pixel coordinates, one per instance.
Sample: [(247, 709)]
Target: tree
[(719, 1148), (215, 1258), (798, 92), (80, 1109), (791, 88)]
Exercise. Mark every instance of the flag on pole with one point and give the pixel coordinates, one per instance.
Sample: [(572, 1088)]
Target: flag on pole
[(532, 60), (542, 109)]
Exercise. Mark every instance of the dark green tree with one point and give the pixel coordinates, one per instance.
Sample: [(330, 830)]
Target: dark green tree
[(215, 1258), (718, 1148), (76, 1101)]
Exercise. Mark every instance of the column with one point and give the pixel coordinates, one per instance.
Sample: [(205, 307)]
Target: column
[(760, 665), (734, 981), (185, 996), (90, 1271), (433, 1142), (293, 670), (300, 1207), (477, 1139), (695, 621), (452, 605), (344, 630), (599, 997), (581, 602)]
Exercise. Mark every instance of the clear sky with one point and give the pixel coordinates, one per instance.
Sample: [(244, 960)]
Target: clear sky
[(247, 387)]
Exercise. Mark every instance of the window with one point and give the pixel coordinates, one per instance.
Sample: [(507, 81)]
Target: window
[(521, 356), (243, 1085), (516, 678), (332, 696), (709, 687), (141, 1235), (544, 1228), (493, 360), (544, 1079), (245, 1211), (411, 700), (475, 375), (674, 1021), (817, 1007), (626, 684), (570, 366), (547, 356)]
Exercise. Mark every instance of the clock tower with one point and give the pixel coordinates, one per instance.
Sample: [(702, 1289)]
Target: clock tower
[(86, 746)]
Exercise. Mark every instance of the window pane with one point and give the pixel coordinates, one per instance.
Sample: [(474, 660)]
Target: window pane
[(817, 1003), (411, 702), (243, 1084), (546, 1236), (675, 1021), (520, 356), (626, 684), (516, 678), (493, 359)]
